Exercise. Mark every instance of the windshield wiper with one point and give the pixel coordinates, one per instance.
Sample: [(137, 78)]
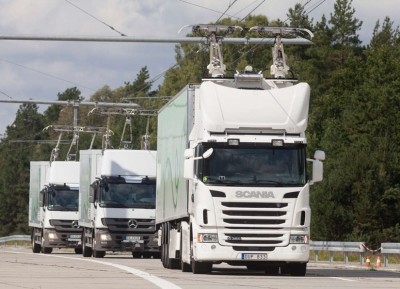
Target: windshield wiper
[(225, 181)]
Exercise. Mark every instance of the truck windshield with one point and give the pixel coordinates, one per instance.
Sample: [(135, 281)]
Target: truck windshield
[(63, 200), (128, 195), (256, 166)]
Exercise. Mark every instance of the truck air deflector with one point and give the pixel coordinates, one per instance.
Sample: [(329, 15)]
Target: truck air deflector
[(225, 108)]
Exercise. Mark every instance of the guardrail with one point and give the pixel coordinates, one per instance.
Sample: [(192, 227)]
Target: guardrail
[(15, 239), (389, 248), (335, 246)]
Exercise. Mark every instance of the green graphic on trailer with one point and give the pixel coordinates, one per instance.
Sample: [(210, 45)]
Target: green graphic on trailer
[(172, 143)]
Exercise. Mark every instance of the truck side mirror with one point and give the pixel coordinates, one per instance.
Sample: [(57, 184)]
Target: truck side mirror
[(317, 171), (188, 169), (41, 199), (188, 165), (317, 166), (92, 195)]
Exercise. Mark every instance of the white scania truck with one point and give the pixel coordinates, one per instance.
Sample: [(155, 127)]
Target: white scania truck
[(117, 202), (53, 206), (232, 180)]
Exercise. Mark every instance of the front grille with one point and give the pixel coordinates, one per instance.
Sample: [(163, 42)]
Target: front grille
[(65, 225), (253, 226), (125, 225)]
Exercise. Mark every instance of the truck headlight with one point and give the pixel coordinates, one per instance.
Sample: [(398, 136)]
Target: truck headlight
[(52, 236), (105, 237), (207, 238), (299, 239)]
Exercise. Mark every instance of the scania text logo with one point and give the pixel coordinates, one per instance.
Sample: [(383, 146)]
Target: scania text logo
[(132, 224), (254, 194)]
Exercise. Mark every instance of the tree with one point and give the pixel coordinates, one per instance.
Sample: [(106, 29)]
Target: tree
[(15, 156)]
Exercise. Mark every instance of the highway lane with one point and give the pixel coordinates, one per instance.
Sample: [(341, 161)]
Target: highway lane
[(19, 268)]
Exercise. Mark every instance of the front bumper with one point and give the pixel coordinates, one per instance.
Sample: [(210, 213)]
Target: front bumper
[(56, 239), (214, 252), (105, 241)]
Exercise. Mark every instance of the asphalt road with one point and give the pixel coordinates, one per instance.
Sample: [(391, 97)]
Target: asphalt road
[(19, 268)]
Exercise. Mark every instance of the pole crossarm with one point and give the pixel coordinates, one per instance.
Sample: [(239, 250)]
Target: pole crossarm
[(205, 40), (75, 103)]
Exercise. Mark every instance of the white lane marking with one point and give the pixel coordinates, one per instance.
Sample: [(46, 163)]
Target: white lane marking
[(164, 284), (343, 279)]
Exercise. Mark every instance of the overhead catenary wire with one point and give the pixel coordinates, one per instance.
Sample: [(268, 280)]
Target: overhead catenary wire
[(94, 17), (229, 7), (45, 74), (252, 11)]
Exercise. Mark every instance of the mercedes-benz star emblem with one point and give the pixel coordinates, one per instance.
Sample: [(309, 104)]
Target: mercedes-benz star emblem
[(132, 223), (75, 224)]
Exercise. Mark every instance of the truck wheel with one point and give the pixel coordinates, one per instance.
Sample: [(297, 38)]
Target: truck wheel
[(99, 254), (298, 269), (137, 255), (78, 250), (201, 267), (47, 250), (86, 251), (35, 247)]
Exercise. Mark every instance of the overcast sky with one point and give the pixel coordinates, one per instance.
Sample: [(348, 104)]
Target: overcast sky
[(40, 70)]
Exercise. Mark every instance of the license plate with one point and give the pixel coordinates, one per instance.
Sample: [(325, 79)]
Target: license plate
[(75, 237), (133, 238), (246, 256)]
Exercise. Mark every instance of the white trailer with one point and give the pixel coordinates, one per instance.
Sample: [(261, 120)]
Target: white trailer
[(117, 202), (53, 206), (232, 181)]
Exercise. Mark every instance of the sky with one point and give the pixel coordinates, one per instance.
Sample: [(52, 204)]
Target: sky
[(40, 70)]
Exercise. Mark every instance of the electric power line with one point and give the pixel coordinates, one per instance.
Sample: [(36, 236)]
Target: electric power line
[(252, 11), (46, 74), (2, 92), (94, 17), (229, 7)]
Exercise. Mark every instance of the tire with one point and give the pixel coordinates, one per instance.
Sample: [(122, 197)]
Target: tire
[(46, 250), (78, 250), (36, 248), (298, 269), (201, 267), (99, 254), (136, 255), (294, 269), (86, 251)]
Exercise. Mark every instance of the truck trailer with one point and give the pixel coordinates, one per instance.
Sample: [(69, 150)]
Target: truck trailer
[(117, 202), (232, 179), (53, 206)]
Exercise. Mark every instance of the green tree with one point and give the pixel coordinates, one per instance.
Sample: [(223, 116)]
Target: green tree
[(15, 157)]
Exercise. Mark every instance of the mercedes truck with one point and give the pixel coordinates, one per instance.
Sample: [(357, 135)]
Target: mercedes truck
[(53, 206), (117, 202)]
